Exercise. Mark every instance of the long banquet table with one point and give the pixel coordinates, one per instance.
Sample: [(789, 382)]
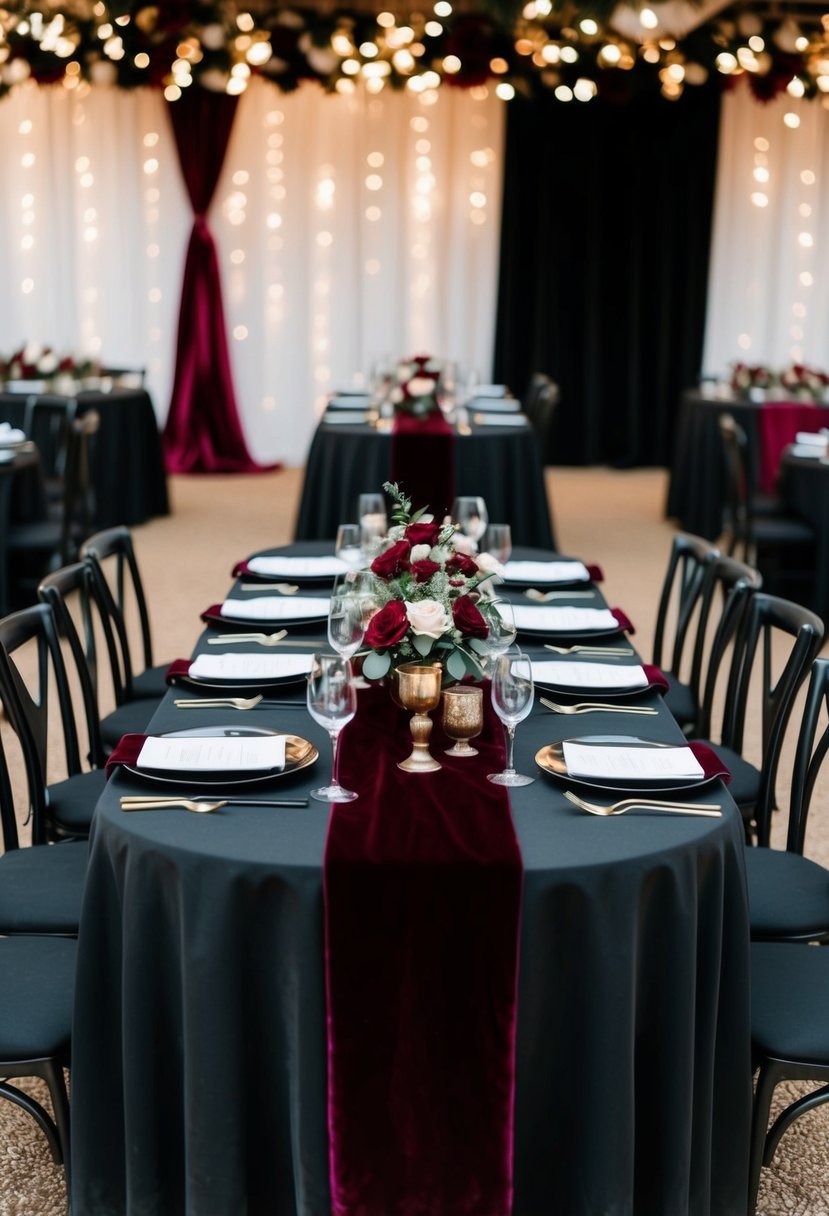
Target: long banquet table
[(128, 463), (199, 1044), (501, 462)]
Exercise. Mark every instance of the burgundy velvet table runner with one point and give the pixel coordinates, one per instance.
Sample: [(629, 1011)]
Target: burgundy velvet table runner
[(777, 424), (422, 887), (423, 461)]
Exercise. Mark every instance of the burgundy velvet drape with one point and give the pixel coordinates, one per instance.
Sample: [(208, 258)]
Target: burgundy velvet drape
[(203, 433)]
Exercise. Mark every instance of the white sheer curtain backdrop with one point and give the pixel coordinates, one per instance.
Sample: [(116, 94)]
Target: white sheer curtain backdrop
[(93, 227), (768, 301), (353, 227), (348, 228)]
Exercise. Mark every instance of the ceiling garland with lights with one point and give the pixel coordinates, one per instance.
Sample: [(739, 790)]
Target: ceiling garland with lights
[(546, 47)]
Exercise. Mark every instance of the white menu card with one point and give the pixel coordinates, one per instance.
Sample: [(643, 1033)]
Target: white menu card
[(223, 754)]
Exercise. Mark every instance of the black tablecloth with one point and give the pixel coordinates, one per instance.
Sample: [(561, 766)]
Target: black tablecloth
[(501, 463), (804, 488), (128, 463), (198, 1071)]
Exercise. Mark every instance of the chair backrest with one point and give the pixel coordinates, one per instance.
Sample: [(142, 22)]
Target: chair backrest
[(737, 520), (28, 709), (74, 587), (47, 421), (540, 403), (810, 754), (8, 819), (757, 634), (77, 506), (112, 551), (680, 598)]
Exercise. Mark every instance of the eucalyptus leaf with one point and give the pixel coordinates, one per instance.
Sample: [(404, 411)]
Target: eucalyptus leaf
[(422, 643), (376, 665), (473, 666), (479, 646), (456, 665)]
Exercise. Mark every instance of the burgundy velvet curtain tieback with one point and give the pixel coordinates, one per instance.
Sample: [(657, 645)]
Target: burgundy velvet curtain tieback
[(423, 461), (422, 887)]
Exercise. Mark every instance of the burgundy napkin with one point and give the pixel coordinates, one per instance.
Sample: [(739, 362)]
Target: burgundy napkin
[(126, 751), (177, 669), (712, 765), (596, 574), (242, 568), (656, 677), (623, 619)]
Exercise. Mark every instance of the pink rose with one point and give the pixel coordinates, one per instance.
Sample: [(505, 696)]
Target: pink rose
[(428, 618)]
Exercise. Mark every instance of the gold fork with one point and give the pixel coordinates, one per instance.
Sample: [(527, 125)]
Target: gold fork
[(541, 597), (708, 809), (613, 651), (154, 804), (283, 588), (220, 702), (589, 707)]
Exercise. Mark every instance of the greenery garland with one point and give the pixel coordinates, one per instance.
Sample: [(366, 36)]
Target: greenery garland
[(517, 49)]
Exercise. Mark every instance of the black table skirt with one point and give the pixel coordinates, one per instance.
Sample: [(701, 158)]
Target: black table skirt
[(198, 1073), (500, 463), (128, 463), (804, 488)]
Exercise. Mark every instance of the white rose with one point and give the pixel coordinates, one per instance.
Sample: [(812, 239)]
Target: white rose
[(47, 363), (488, 564), (420, 552), (429, 618), (421, 386), (464, 544)]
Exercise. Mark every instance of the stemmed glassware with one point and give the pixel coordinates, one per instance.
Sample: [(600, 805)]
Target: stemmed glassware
[(371, 512), (346, 626), (332, 702), (512, 700), (469, 513), (463, 717), (500, 619), (498, 542), (348, 547)]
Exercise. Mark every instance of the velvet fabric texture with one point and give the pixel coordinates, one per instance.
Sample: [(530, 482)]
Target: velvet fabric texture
[(126, 751), (777, 425), (422, 878), (203, 433), (423, 461)]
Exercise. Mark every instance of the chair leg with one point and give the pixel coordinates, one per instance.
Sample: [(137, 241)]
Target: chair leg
[(766, 1083), (53, 1076), (39, 1115), (785, 1119)]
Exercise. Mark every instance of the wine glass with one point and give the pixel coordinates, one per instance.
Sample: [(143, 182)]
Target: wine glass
[(512, 699), (346, 629), (347, 546), (374, 524), (469, 513), (332, 702), (498, 541), (463, 717), (500, 619)]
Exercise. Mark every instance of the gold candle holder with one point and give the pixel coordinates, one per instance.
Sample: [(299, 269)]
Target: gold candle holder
[(463, 717), (418, 688)]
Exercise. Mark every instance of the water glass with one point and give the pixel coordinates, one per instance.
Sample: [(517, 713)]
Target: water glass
[(512, 700), (469, 513), (498, 542), (332, 702), (346, 629), (347, 546)]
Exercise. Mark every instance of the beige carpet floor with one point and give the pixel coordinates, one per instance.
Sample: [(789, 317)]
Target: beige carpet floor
[(610, 517)]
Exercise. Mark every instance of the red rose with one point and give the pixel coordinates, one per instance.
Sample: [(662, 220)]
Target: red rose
[(422, 534), (468, 619), (388, 626), (393, 561), (459, 563), (423, 570)]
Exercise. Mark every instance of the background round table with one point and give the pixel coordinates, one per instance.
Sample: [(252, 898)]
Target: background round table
[(199, 1049)]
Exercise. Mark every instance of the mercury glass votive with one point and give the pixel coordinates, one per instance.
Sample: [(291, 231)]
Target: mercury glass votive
[(463, 717), (418, 689)]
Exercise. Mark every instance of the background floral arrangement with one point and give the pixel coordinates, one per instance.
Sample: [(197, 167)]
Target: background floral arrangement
[(796, 380), (574, 51), (431, 605), (35, 362), (416, 387)]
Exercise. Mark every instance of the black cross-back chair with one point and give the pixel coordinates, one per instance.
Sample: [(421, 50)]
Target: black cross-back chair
[(678, 610), (76, 588), (748, 630), (789, 1040), (37, 976), (112, 551), (47, 421), (60, 809), (788, 893)]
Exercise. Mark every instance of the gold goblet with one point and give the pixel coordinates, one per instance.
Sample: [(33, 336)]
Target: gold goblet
[(418, 688), (463, 717)]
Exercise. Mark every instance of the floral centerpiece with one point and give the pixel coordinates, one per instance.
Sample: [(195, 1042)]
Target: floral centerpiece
[(432, 607), (42, 363), (804, 382), (745, 377), (415, 390)]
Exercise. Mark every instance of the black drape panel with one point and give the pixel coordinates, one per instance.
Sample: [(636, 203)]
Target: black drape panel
[(604, 265)]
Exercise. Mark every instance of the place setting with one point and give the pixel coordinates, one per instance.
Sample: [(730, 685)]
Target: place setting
[(286, 611), (570, 621)]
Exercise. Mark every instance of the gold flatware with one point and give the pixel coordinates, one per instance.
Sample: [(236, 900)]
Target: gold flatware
[(541, 597), (605, 651), (708, 809), (283, 588), (263, 639), (589, 707), (221, 702), (136, 802), (157, 804)]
